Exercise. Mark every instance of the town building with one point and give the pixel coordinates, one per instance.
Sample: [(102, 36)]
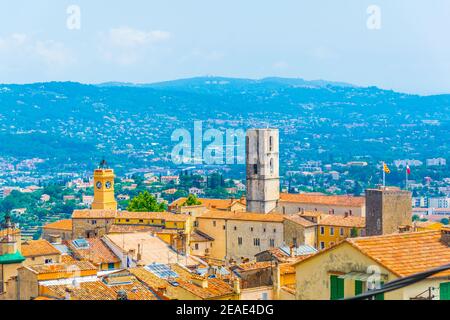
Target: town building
[(262, 167), (240, 235), (339, 205), (57, 231), (388, 210), (360, 264)]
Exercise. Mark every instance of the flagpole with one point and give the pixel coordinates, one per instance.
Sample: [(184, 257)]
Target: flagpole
[(406, 183), (384, 176)]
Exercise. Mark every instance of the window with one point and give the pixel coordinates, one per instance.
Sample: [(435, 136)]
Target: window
[(127, 220), (358, 287), (264, 230), (336, 288), (251, 229), (110, 266), (274, 230), (444, 291), (271, 165), (240, 241), (322, 230), (256, 242), (255, 169), (272, 243), (223, 227), (294, 242), (331, 231), (271, 143), (214, 223), (94, 221), (235, 228), (341, 232), (322, 245), (196, 246), (141, 221), (47, 261), (264, 296)]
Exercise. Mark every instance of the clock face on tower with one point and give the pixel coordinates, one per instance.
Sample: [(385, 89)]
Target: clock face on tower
[(108, 184), (99, 185)]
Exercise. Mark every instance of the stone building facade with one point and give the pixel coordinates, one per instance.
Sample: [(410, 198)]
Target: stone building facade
[(388, 209)]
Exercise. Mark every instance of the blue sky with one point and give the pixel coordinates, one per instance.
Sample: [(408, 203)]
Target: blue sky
[(148, 41)]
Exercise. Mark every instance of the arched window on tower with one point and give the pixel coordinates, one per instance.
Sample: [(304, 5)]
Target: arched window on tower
[(271, 165), (255, 169), (270, 143)]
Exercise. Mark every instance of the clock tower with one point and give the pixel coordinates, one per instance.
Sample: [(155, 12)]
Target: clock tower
[(104, 188)]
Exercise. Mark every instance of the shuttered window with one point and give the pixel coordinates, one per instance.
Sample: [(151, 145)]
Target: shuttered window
[(444, 291), (336, 288)]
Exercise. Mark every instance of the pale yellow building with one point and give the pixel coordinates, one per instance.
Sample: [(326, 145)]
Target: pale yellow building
[(241, 234), (358, 264)]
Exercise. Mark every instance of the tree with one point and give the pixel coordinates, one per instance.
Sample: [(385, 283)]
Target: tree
[(145, 202), (445, 221), (353, 232), (415, 217), (192, 200)]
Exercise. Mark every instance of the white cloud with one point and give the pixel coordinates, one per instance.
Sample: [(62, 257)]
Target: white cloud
[(25, 49), (129, 37), (127, 46)]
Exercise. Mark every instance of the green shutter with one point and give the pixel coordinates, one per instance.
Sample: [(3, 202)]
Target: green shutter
[(380, 296), (336, 288), (358, 287), (444, 291)]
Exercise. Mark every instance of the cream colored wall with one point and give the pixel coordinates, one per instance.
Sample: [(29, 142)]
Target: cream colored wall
[(27, 284), (313, 275), (293, 207), (285, 295), (202, 246), (218, 249), (243, 230), (304, 235), (29, 261)]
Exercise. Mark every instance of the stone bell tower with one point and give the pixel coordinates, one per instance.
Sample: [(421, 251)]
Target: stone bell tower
[(262, 167), (104, 188)]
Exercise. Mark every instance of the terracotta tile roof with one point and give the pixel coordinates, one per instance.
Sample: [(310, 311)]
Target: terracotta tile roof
[(98, 290), (342, 221), (167, 216), (65, 258), (36, 248), (94, 213), (63, 267), (219, 204), (60, 225), (254, 265), (97, 253), (199, 236), (349, 201), (406, 253), (291, 288), (298, 219), (244, 216), (216, 287)]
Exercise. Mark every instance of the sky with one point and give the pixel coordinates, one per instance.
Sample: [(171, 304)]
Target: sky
[(402, 45)]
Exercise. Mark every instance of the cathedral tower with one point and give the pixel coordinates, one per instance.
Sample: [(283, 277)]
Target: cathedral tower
[(104, 188), (262, 166)]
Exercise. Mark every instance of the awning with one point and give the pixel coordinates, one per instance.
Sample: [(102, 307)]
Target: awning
[(361, 276)]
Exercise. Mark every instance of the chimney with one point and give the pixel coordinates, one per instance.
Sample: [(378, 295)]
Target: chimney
[(67, 296), (122, 295), (200, 281), (291, 251), (445, 236), (237, 285)]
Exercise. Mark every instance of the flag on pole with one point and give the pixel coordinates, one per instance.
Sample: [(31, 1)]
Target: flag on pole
[(408, 170), (386, 168)]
